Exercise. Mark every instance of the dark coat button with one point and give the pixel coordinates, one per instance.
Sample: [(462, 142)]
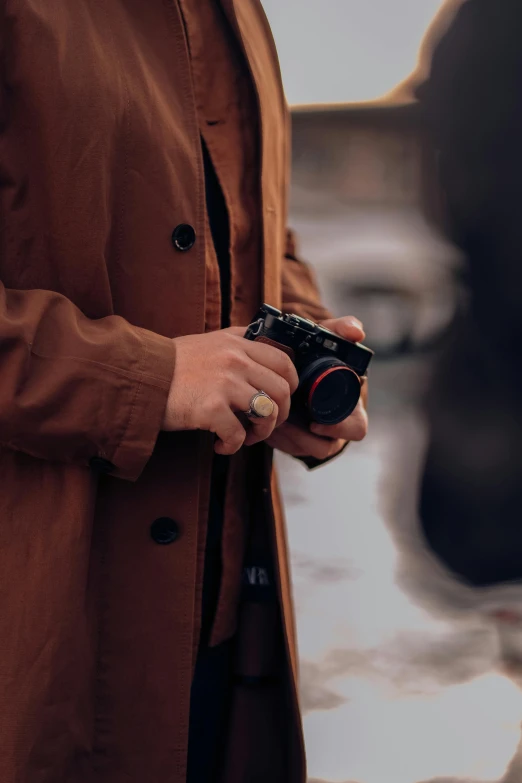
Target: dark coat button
[(101, 465), (164, 530), (183, 237)]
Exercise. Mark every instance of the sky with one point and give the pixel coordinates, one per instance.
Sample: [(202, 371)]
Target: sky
[(346, 50)]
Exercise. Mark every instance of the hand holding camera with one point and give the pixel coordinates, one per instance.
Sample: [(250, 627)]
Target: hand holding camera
[(286, 368), (328, 409), (216, 377)]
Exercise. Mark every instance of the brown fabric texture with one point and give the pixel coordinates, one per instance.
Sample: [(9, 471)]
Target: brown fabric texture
[(100, 160), (228, 123)]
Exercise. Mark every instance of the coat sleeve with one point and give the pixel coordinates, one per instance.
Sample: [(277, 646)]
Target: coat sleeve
[(301, 296), (76, 390), (300, 291)]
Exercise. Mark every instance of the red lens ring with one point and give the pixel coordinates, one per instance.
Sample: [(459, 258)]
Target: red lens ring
[(321, 378)]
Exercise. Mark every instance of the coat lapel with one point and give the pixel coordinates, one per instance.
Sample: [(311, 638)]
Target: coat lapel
[(251, 26)]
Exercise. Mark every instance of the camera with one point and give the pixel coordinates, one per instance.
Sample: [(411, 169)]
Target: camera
[(330, 369)]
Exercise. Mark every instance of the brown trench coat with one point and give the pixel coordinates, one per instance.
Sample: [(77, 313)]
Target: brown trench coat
[(100, 160)]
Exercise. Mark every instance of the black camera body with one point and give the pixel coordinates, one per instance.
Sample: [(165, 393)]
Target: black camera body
[(330, 368)]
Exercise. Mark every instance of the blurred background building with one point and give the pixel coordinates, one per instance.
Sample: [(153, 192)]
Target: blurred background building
[(362, 195), (401, 679)]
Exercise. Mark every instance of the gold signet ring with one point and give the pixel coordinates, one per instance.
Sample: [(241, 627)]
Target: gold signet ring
[(261, 406)]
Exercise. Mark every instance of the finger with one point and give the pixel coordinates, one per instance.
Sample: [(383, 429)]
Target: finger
[(229, 431), (274, 385), (258, 429), (300, 443), (348, 327), (273, 359), (295, 444), (355, 427), (364, 392)]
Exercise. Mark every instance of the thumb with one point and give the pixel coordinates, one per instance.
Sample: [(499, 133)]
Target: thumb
[(348, 327)]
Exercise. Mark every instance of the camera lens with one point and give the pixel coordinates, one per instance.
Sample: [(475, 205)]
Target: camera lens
[(330, 389)]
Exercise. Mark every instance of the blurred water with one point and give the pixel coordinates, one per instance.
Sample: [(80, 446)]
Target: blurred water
[(401, 678)]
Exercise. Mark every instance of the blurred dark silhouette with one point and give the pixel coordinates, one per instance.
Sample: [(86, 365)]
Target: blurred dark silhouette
[(471, 497)]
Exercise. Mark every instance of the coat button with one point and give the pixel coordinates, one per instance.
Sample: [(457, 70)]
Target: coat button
[(164, 530), (183, 237), (101, 465)]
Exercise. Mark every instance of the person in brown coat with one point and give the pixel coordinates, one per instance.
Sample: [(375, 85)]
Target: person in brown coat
[(144, 174)]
